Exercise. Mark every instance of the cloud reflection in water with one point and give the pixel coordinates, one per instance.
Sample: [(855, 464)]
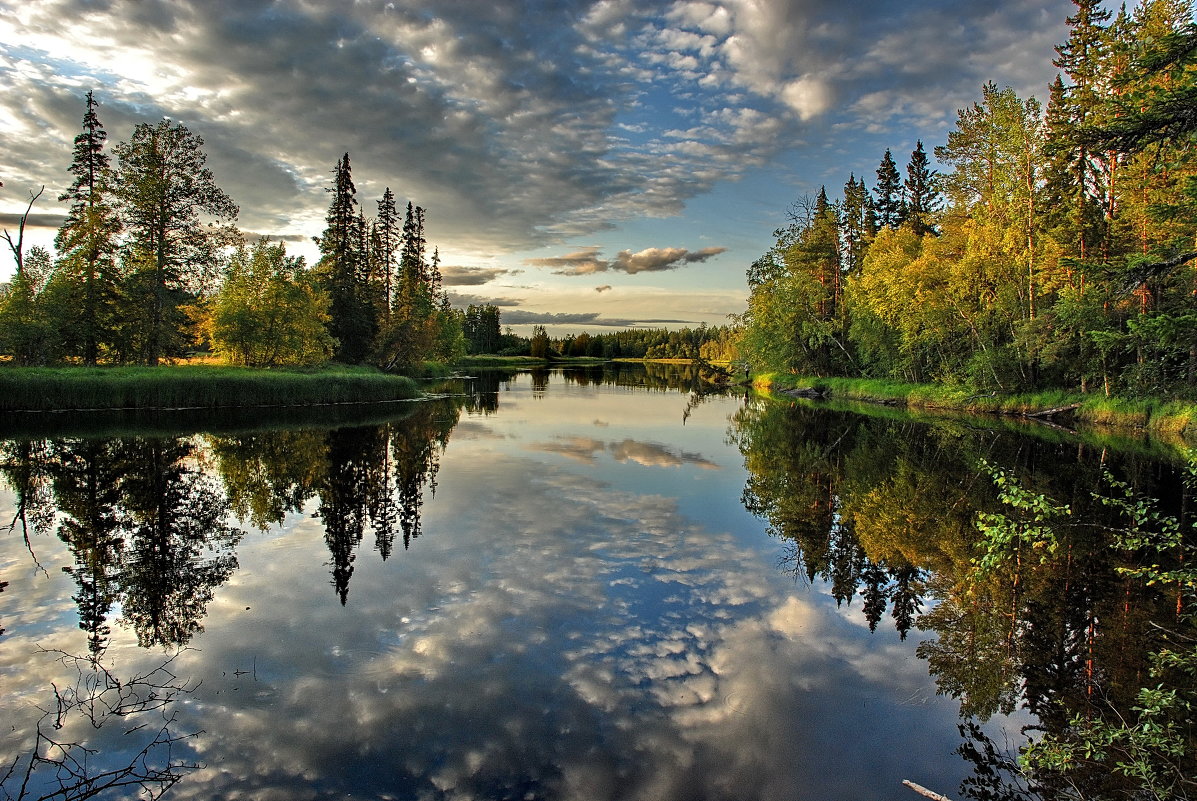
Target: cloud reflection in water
[(605, 648)]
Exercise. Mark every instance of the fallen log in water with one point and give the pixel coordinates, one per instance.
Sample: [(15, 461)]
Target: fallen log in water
[(804, 392), (921, 790), (1058, 410)]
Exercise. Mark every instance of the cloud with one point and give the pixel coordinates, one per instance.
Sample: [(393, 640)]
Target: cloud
[(588, 262), (34, 220), (461, 300), (648, 454), (253, 236), (580, 262), (516, 125), (472, 276), (500, 120), (522, 317)]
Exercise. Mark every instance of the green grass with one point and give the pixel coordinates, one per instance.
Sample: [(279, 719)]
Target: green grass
[(1166, 418), (193, 387)]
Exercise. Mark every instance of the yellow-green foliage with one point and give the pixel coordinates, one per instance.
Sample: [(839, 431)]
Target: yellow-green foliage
[(269, 311)]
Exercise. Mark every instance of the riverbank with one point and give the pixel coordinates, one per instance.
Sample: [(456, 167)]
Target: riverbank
[(61, 389), (1169, 418)]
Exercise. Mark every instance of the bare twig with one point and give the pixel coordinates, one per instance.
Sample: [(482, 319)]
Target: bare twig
[(18, 247), (58, 766)]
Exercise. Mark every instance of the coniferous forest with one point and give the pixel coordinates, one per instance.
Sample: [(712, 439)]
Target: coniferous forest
[(1053, 250)]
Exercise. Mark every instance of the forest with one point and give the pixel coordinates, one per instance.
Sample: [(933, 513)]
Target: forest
[(1053, 251), (150, 267)]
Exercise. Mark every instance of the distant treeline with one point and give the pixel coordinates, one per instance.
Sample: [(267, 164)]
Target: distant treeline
[(482, 335), (1055, 250)]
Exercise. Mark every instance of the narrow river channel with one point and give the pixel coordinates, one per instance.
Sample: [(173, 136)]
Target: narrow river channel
[(582, 584)]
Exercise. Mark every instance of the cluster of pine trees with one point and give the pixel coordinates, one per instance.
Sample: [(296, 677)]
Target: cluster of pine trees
[(1053, 251), (150, 267)]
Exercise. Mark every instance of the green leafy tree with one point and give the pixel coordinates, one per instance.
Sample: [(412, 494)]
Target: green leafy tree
[(270, 310), (166, 196), (795, 320), (27, 329), (539, 348)]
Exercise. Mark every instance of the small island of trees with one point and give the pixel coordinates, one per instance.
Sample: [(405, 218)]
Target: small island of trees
[(150, 265)]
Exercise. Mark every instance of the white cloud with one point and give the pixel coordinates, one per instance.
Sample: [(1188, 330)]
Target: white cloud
[(807, 96)]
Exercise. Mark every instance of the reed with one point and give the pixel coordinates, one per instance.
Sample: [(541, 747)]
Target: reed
[(193, 387)]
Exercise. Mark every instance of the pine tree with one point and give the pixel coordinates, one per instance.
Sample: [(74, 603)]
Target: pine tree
[(857, 222), (922, 196), (164, 190), (352, 319), (87, 243), (1074, 109), (888, 192)]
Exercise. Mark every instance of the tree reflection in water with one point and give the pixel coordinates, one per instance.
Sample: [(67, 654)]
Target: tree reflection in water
[(144, 524), (148, 525), (887, 509)]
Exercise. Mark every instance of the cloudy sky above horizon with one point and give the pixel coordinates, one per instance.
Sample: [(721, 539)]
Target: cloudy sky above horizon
[(583, 163)]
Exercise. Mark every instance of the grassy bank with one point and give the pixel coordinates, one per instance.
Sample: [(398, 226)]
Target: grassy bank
[(1163, 417), (193, 387)]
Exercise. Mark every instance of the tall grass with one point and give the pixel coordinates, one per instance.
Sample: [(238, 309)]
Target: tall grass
[(1168, 418), (191, 387)]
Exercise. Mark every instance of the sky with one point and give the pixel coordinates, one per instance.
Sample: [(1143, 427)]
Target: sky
[(587, 165)]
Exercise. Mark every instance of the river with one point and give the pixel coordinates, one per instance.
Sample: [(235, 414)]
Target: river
[(580, 584)]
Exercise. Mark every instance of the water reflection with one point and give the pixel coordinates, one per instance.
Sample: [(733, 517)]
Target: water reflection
[(587, 609), (145, 519), (886, 510)]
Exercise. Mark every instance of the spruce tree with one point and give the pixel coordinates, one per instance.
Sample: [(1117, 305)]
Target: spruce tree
[(389, 230), (888, 192), (87, 242), (922, 196), (1075, 107), (857, 222), (352, 320)]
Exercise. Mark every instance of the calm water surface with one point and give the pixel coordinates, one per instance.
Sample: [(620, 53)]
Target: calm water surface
[(548, 586)]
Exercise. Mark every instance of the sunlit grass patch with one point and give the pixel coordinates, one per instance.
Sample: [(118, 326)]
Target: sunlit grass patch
[(1168, 418)]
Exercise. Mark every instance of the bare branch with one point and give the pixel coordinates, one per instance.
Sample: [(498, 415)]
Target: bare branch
[(18, 247)]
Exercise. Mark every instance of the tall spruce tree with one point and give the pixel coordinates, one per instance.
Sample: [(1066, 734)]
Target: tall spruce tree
[(411, 334), (87, 242), (389, 233), (858, 224), (352, 319), (921, 194), (888, 193), (1074, 109)]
